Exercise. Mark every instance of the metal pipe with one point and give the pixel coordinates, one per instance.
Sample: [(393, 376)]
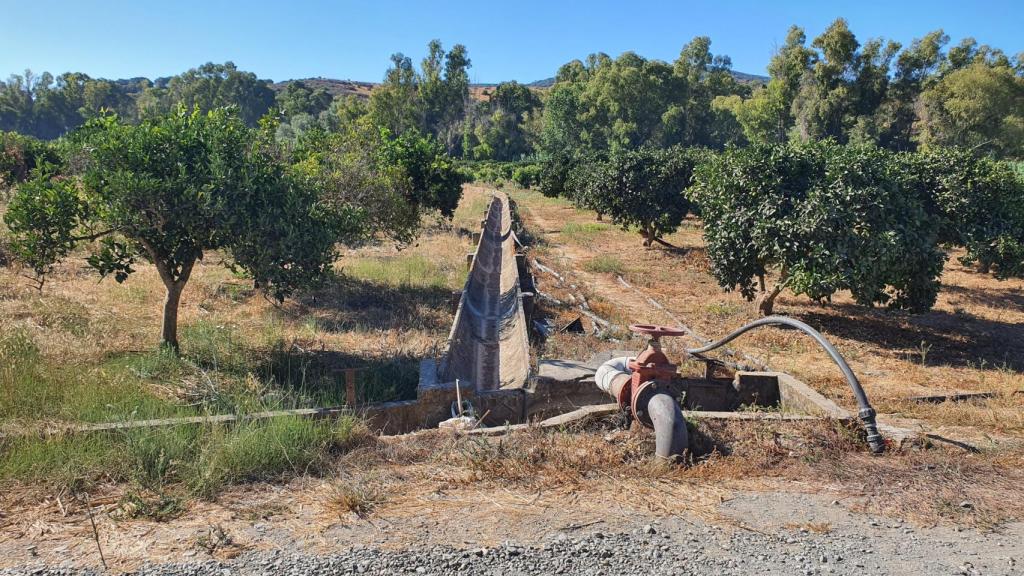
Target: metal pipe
[(670, 434), (866, 413), (613, 375)]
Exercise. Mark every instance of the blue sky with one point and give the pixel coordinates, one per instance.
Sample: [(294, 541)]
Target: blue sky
[(520, 40)]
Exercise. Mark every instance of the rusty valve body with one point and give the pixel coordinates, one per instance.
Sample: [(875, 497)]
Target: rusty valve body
[(650, 369)]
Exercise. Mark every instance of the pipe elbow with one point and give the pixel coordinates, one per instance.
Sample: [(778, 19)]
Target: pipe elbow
[(612, 375), (671, 438)]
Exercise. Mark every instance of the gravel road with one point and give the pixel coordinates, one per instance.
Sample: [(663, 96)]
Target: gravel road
[(668, 546)]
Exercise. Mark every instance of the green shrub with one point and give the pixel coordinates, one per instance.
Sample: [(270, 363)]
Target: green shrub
[(20, 155), (980, 203), (643, 189), (526, 176)]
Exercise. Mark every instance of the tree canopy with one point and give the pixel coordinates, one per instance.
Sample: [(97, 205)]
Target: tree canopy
[(642, 189), (136, 199), (819, 218)]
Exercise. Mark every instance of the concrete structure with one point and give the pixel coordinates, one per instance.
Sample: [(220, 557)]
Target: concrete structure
[(489, 342)]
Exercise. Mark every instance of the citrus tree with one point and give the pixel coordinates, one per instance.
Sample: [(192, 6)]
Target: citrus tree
[(384, 182), (642, 189), (20, 155), (819, 218), (980, 202), (167, 191)]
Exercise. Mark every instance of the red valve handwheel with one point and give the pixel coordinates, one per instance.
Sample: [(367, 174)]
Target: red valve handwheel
[(656, 331)]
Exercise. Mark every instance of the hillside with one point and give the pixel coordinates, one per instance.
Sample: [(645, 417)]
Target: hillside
[(479, 91)]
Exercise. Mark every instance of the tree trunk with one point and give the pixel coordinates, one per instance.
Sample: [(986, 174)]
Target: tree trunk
[(648, 235), (600, 216), (175, 284), (766, 303), (169, 332)]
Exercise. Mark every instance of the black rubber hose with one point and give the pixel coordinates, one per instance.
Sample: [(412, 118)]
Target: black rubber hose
[(866, 414)]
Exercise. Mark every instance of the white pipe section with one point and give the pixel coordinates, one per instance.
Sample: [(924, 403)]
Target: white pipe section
[(607, 373)]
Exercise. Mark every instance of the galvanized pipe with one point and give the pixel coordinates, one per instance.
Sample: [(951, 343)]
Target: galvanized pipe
[(670, 435)]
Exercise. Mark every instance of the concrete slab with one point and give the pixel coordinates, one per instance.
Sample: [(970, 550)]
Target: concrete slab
[(564, 371)]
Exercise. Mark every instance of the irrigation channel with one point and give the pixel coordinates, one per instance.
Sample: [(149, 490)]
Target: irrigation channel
[(484, 382)]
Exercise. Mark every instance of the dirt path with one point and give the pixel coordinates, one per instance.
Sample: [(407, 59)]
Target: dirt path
[(570, 257)]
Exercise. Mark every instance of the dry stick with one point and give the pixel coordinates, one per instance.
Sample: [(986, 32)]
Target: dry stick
[(480, 420), (95, 532), (584, 307)]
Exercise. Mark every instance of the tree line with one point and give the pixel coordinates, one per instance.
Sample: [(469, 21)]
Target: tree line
[(855, 167), (814, 217), (175, 186), (927, 93), (850, 169)]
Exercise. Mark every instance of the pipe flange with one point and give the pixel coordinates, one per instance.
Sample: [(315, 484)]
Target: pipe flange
[(641, 396)]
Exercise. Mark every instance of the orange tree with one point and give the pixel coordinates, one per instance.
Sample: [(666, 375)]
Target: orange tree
[(642, 189), (168, 190), (819, 218), (980, 203)]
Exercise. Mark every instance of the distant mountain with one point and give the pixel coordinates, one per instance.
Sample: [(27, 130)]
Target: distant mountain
[(333, 87), (749, 78), (479, 90)]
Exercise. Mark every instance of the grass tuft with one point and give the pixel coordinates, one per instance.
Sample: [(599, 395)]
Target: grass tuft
[(583, 232), (194, 460), (605, 264), (406, 270)]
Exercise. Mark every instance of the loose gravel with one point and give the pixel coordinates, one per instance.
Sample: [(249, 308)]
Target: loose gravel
[(670, 547)]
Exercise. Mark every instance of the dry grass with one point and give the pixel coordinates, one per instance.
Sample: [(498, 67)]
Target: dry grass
[(93, 339), (82, 349), (425, 488), (394, 304), (973, 340)]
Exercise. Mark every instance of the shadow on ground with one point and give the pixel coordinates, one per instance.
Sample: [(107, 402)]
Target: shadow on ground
[(935, 338), (350, 303), (320, 374)]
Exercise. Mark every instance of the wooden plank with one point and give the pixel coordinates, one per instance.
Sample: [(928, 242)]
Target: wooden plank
[(187, 420)]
